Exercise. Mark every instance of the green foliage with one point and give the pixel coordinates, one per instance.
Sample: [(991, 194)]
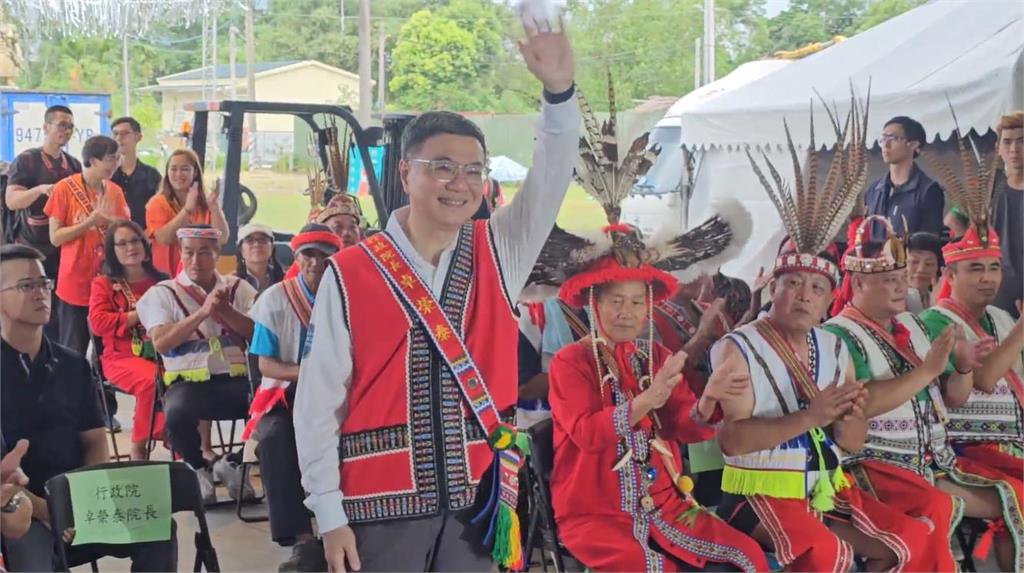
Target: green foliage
[(461, 54)]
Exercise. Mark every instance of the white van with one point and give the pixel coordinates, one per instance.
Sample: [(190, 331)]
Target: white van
[(661, 198)]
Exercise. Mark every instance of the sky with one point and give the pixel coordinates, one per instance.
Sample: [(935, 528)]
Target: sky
[(773, 7)]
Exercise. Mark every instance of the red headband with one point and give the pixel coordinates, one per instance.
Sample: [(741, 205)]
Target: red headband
[(306, 238)]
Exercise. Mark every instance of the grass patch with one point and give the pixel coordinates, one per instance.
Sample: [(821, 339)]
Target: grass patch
[(283, 207)]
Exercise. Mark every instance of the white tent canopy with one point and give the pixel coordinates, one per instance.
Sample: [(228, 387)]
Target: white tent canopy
[(969, 51)]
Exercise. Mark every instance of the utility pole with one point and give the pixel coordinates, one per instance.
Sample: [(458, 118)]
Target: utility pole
[(232, 89), (125, 86), (213, 33), (709, 41), (250, 82), (364, 63), (381, 70), (696, 63)]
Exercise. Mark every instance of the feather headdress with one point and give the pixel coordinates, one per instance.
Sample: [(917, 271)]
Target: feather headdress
[(575, 262), (813, 216), (972, 191)]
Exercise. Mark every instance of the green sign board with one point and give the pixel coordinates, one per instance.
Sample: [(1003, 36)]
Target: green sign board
[(122, 505)]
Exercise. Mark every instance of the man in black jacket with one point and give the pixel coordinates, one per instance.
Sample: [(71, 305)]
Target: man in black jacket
[(906, 192)]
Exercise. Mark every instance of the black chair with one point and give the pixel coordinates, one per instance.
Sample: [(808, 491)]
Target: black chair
[(967, 535), (184, 497), (542, 518), (255, 376), (101, 383)]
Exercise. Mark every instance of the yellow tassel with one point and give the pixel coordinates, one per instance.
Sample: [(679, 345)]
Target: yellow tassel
[(774, 483), (840, 481)]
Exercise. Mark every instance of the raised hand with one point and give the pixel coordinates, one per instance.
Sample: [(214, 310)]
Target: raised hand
[(832, 403), (548, 55), (857, 405), (101, 214), (713, 319), (938, 355), (192, 199), (213, 197), (723, 385), (10, 466), (665, 380), (969, 355)]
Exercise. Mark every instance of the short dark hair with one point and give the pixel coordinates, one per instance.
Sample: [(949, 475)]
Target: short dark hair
[(131, 121), (48, 116), (434, 123), (97, 147), (912, 129), (19, 252), (928, 242)]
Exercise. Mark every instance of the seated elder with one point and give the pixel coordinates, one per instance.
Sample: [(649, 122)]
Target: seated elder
[(128, 358)]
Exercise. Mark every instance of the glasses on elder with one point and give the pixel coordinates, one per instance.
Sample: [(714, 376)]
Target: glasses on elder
[(257, 240), (446, 170), (28, 286)]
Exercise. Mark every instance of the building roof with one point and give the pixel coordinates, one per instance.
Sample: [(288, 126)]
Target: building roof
[(224, 71)]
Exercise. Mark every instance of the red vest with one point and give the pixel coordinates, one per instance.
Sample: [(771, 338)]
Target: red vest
[(409, 446)]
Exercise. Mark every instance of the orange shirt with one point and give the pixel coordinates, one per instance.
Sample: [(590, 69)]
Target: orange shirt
[(159, 212), (81, 258)]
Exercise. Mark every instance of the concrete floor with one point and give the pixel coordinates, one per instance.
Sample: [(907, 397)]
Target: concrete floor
[(243, 547)]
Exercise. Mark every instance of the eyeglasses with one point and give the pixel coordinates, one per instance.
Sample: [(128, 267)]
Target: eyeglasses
[(889, 137), (257, 240), (65, 125), (445, 171), (28, 286), (128, 242)]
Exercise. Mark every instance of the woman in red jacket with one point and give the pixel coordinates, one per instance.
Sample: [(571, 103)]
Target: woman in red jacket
[(621, 408), (128, 359)]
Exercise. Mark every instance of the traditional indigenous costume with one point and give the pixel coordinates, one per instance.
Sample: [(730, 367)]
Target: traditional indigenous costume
[(128, 358), (620, 496), (792, 488), (907, 448), (206, 374), (281, 320), (988, 431), (409, 362)]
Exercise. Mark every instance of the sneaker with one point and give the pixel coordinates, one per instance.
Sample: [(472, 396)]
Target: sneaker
[(306, 556), (206, 489), (229, 473)]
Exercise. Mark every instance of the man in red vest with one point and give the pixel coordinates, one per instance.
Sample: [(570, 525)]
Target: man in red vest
[(410, 355)]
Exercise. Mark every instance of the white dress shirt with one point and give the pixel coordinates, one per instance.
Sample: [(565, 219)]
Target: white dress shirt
[(519, 229)]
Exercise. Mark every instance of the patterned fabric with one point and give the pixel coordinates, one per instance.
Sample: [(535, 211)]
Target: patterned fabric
[(198, 233), (785, 470), (913, 435), (995, 416)]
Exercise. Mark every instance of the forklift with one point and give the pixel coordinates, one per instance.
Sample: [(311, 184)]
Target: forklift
[(240, 204)]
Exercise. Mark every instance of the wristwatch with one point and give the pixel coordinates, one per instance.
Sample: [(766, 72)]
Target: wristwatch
[(14, 503)]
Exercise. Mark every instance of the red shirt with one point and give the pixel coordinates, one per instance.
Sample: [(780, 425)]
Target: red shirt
[(585, 440), (108, 313), (81, 258)]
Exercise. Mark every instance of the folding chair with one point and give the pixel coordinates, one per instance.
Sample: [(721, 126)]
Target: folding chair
[(184, 497), (255, 376), (101, 381), (542, 519)]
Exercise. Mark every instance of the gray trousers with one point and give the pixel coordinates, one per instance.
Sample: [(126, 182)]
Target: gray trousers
[(442, 543), (35, 551)]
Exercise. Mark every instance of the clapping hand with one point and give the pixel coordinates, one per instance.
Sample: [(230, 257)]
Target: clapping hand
[(935, 361), (968, 355), (832, 403), (548, 54), (665, 381), (192, 199)]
